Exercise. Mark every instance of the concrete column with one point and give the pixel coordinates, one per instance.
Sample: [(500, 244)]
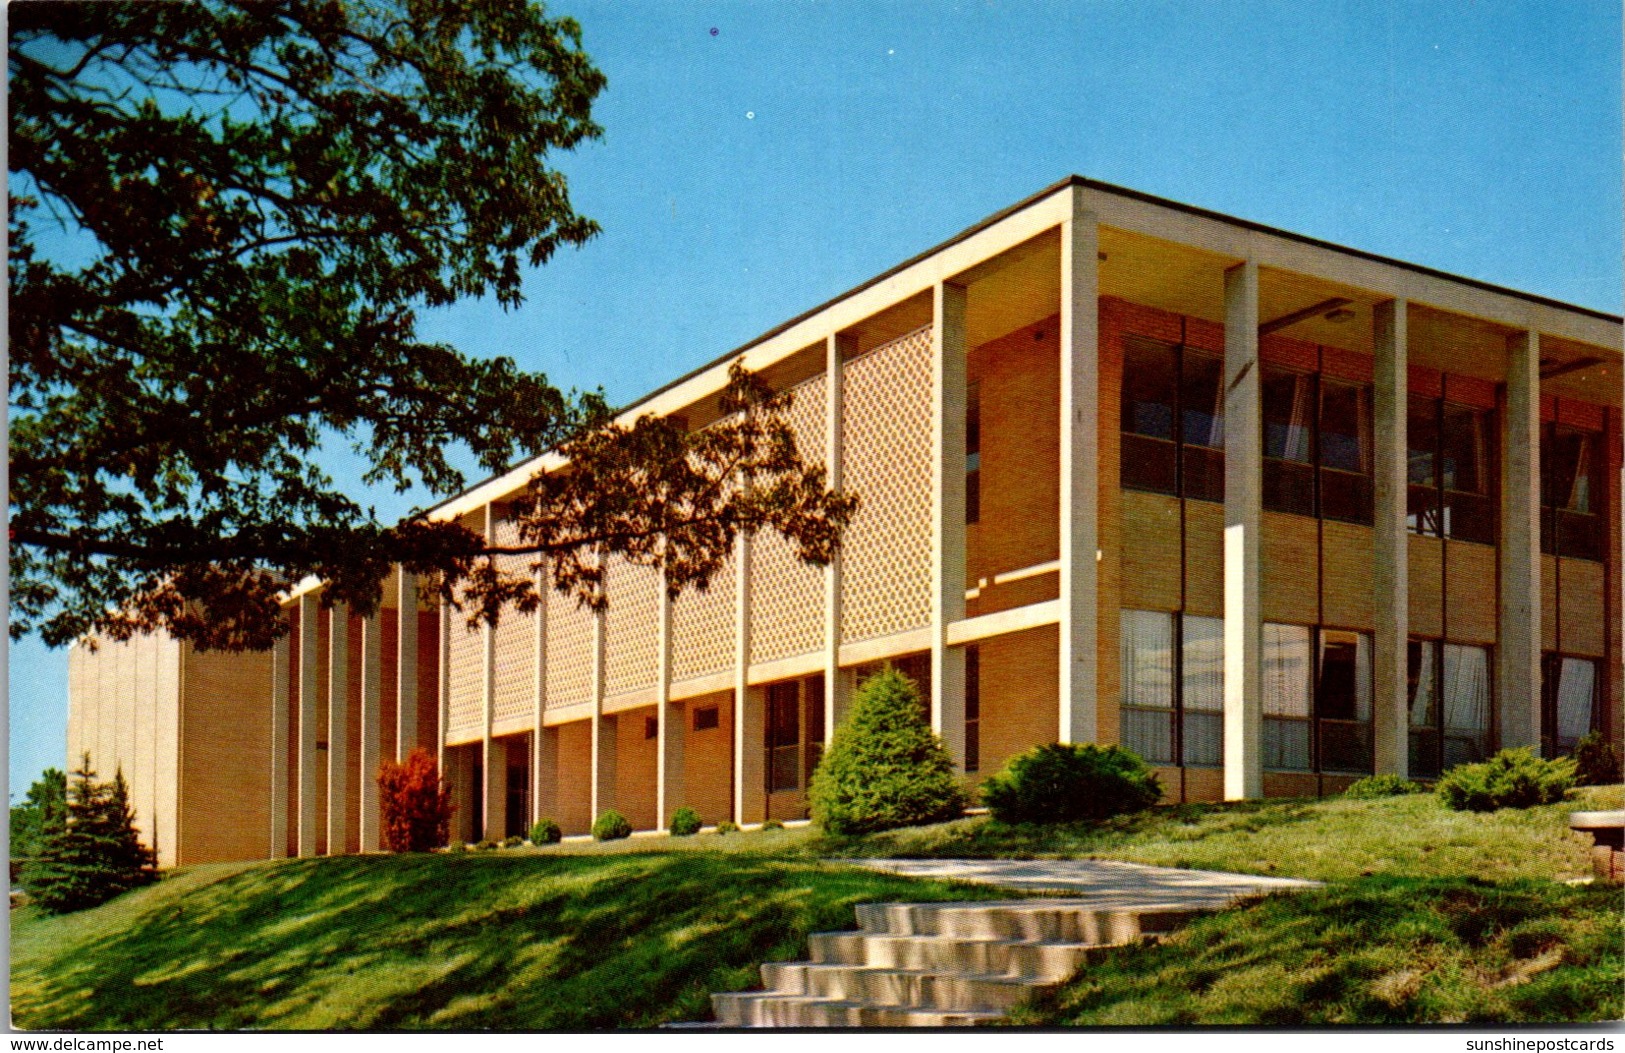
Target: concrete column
[(1517, 690), (443, 687), (543, 763), (669, 731), (309, 612), (1390, 573), (406, 663), (279, 749), (1080, 470), (603, 728), (837, 693), (948, 392), (748, 743), (1243, 520), (372, 698), (492, 754), (338, 728)]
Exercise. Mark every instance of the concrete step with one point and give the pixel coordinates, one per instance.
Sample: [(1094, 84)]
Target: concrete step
[(916, 989), (1047, 920), (1036, 959), (758, 1009)]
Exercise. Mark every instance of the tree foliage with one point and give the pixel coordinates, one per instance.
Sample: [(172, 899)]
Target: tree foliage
[(44, 809), (224, 219), (94, 853), (885, 767), (414, 805)]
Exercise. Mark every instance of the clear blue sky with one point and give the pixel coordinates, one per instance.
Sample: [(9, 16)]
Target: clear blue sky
[(752, 172)]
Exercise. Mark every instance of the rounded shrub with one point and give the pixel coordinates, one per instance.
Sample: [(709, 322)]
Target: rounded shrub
[(772, 824), (486, 845), (1374, 786), (727, 826), (1513, 778), (1061, 783), (512, 841), (545, 832), (885, 768), (1596, 760), (685, 822), (611, 826)]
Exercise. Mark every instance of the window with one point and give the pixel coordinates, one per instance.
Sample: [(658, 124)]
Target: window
[(1450, 473), (1172, 420), (651, 727), (706, 718), (1288, 689), (1569, 709), (1172, 687), (973, 455), (1345, 452), (973, 708), (1343, 701), (813, 689), (1317, 446), (1571, 521), (784, 736)]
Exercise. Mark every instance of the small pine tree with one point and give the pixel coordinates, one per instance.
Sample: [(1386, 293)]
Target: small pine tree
[(885, 768), (414, 805), (95, 853)]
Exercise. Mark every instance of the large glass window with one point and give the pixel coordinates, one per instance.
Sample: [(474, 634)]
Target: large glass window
[(813, 710), (1449, 695), (1288, 695), (1345, 451), (1569, 708), (1172, 420), (1343, 702), (973, 708), (784, 736), (1571, 492), (1451, 474), (973, 455), (1289, 441), (1172, 670)]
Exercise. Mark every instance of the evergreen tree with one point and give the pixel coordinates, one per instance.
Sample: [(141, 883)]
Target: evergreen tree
[(95, 853), (885, 768), (44, 808)]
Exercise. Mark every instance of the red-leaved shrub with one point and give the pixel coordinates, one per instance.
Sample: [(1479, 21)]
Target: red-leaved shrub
[(416, 805)]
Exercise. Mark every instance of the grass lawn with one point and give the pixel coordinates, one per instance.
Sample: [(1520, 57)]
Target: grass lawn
[(1429, 916), (486, 941)]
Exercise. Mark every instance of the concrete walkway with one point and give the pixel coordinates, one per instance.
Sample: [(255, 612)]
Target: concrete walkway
[(1103, 884)]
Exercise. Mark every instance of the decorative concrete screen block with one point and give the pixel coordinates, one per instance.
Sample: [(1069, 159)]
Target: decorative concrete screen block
[(788, 604), (702, 637), (465, 704), (631, 639), (569, 651), (513, 675), (887, 439)]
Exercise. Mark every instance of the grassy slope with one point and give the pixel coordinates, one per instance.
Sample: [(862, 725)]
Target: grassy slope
[(463, 942), (1431, 916)]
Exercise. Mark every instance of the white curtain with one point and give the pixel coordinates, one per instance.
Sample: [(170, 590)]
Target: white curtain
[(1425, 699), (1148, 659), (1466, 691), (1297, 435), (1576, 688), (1202, 681), (1286, 670)]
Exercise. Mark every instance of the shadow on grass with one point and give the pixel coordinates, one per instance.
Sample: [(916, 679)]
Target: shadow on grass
[(458, 942), (1378, 951)]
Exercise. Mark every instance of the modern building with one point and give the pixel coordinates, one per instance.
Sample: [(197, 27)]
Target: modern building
[(1273, 512)]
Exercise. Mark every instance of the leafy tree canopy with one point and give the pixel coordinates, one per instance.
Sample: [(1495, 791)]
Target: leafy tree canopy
[(44, 809), (224, 218)]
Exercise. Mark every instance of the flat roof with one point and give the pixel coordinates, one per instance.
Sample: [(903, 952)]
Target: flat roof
[(1027, 202)]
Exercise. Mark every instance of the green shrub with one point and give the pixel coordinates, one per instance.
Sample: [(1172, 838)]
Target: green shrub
[(1373, 786), (727, 826), (772, 824), (885, 768), (458, 846), (545, 832), (512, 841), (1513, 778), (1061, 783), (685, 822), (1596, 760), (486, 845), (611, 826)]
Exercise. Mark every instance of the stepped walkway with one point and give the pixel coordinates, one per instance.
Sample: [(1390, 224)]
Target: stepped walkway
[(956, 964)]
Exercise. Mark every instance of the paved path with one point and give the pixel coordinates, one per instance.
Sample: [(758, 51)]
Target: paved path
[(1104, 883)]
